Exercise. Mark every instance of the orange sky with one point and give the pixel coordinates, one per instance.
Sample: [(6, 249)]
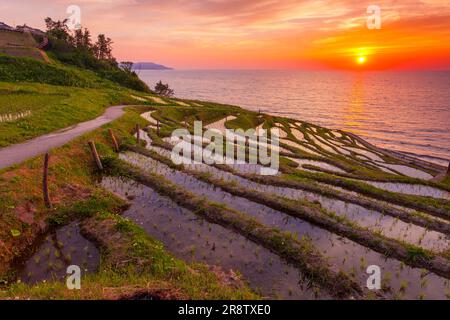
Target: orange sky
[(260, 34)]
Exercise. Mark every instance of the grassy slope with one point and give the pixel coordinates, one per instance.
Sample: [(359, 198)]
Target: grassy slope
[(20, 69), (51, 107), (24, 52), (76, 195), (57, 96), (447, 180)]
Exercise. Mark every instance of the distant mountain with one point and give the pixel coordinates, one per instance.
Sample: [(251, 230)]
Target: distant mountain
[(149, 66)]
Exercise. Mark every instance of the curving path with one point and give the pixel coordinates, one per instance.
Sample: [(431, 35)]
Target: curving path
[(18, 153)]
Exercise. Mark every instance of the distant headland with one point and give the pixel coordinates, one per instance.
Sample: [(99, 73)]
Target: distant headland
[(149, 66)]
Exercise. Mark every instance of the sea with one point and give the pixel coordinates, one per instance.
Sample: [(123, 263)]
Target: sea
[(402, 111)]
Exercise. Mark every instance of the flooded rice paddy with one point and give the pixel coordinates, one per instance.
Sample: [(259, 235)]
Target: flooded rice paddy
[(315, 163), (407, 171), (189, 237), (375, 221), (348, 256), (193, 239), (412, 189), (58, 250)]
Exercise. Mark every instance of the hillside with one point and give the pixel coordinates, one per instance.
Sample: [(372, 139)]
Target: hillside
[(60, 47), (25, 69), (40, 93), (20, 45)]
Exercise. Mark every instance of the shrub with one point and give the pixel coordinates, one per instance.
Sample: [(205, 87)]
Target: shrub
[(163, 89), (15, 69)]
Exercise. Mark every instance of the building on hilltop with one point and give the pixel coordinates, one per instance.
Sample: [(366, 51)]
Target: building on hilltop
[(4, 26), (31, 30)]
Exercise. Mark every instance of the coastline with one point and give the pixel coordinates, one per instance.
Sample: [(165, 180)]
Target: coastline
[(357, 103)]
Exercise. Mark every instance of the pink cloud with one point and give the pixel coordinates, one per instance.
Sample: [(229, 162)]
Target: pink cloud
[(208, 33)]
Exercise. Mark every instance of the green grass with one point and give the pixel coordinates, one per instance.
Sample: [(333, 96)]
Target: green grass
[(23, 52), (446, 180), (23, 69), (245, 121), (51, 108)]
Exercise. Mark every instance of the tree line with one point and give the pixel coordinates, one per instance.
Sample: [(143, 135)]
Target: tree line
[(81, 39), (78, 48)]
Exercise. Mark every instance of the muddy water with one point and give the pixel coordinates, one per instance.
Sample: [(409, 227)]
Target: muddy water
[(371, 219), (60, 249), (193, 239), (413, 189), (345, 254), (148, 116), (407, 171), (298, 134), (320, 164), (299, 146), (322, 145), (367, 153), (207, 155), (220, 125), (375, 221)]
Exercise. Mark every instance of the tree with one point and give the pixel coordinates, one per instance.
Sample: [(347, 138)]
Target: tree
[(163, 89), (103, 48), (58, 29), (76, 48), (127, 66), (78, 38), (82, 39), (87, 42)]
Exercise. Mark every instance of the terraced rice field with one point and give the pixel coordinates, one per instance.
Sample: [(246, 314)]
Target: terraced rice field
[(346, 253), (336, 207)]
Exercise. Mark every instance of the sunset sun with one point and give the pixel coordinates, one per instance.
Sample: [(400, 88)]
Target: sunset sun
[(361, 60)]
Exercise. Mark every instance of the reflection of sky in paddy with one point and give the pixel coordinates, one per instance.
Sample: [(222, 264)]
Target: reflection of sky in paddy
[(193, 239), (346, 254)]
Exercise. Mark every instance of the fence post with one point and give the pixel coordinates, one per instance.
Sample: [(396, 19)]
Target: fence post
[(138, 134), (114, 140), (48, 202), (95, 155), (157, 127)]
